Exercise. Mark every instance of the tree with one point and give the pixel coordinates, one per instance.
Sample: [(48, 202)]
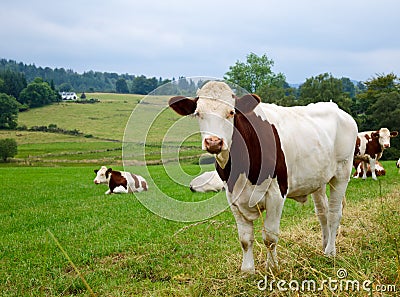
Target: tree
[(256, 76), (253, 74), (12, 83), (8, 111), (142, 85), (121, 86), (324, 88), (373, 98), (38, 93), (8, 148)]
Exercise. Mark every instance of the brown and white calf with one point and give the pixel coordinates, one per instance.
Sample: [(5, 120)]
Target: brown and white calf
[(379, 170), (398, 164), (370, 146), (120, 181), (265, 153)]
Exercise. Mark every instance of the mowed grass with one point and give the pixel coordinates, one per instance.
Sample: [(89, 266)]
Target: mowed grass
[(106, 119), (123, 249)]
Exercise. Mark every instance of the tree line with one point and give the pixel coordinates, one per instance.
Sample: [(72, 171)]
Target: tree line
[(67, 80)]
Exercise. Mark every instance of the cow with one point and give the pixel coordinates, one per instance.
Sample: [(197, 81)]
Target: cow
[(359, 172), (266, 153), (207, 182), (119, 181), (398, 164), (370, 146)]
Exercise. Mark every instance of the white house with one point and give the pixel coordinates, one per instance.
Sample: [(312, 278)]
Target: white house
[(68, 96)]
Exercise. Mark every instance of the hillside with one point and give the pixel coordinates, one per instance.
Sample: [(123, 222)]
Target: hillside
[(99, 136)]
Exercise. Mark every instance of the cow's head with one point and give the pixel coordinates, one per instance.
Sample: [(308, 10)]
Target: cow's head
[(384, 136), (102, 175), (215, 107)]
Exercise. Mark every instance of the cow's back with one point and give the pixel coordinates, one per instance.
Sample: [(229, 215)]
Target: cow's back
[(314, 139)]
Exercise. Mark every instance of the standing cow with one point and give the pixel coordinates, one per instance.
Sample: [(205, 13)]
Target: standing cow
[(370, 146), (265, 153), (120, 181)]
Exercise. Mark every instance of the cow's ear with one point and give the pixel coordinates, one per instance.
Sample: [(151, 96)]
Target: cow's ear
[(394, 133), (183, 105), (108, 172), (375, 134), (247, 103), (95, 171)]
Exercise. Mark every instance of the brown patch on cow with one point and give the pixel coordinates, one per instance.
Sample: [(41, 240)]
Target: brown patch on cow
[(357, 148), (373, 148), (144, 185), (255, 150), (136, 180), (116, 180)]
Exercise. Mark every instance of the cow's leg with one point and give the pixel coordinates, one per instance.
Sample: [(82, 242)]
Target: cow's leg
[(246, 238), (321, 210), (338, 185), (108, 192), (372, 165), (120, 190), (365, 168), (270, 232)]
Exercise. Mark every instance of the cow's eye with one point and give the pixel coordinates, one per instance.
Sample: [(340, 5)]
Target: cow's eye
[(231, 114)]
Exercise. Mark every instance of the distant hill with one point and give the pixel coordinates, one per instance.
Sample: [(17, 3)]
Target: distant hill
[(91, 81)]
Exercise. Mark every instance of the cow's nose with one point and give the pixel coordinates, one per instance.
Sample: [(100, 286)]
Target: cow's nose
[(213, 144), (386, 145)]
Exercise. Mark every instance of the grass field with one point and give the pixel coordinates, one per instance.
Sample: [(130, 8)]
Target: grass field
[(123, 249), (58, 226)]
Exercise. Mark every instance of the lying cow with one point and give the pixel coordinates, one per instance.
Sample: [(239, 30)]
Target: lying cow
[(207, 182), (398, 164), (358, 165), (120, 181), (265, 153), (370, 146)]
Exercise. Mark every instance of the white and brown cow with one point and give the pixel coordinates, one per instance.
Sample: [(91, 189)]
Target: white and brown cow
[(207, 182), (370, 146), (265, 153), (359, 172), (120, 181), (398, 164)]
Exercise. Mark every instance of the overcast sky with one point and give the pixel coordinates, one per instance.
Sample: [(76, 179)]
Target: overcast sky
[(171, 38)]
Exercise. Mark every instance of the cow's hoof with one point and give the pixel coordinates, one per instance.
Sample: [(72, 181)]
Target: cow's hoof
[(249, 271)]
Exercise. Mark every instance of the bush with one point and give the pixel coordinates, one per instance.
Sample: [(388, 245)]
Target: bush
[(8, 148)]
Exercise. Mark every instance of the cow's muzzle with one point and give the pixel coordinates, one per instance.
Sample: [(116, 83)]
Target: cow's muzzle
[(213, 144)]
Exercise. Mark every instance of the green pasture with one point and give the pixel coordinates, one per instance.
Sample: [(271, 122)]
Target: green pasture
[(123, 249), (58, 227), (102, 126)]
